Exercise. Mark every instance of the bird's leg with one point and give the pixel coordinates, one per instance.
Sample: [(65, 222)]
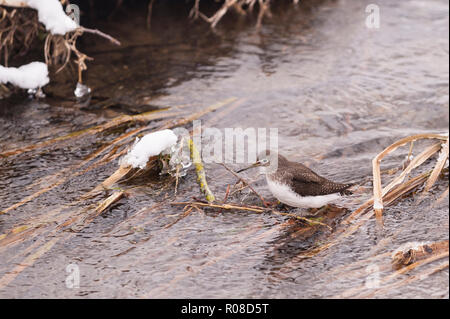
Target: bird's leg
[(317, 211)]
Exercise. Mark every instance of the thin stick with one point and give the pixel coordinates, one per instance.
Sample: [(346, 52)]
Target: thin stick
[(100, 33), (186, 213), (254, 209), (245, 183), (226, 194), (109, 201)]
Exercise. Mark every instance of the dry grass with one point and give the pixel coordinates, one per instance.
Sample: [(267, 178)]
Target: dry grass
[(417, 161)]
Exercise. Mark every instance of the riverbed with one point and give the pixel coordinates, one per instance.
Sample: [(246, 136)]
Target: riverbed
[(338, 93)]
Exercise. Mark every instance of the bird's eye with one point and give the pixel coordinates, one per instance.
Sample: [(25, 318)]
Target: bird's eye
[(264, 161)]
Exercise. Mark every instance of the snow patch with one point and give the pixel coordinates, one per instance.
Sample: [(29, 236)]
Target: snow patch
[(150, 145), (29, 76), (52, 15)]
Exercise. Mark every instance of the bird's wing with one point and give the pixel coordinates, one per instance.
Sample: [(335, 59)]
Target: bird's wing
[(307, 183)]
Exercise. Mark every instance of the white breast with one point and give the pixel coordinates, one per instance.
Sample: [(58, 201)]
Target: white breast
[(287, 196)]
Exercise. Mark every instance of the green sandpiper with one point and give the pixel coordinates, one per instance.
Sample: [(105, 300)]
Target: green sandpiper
[(295, 184)]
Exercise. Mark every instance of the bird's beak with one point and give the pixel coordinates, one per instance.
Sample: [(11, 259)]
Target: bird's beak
[(258, 163)]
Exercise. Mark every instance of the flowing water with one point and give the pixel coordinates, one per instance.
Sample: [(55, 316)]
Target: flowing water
[(338, 93)]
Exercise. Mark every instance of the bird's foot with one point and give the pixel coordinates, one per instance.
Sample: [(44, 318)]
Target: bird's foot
[(317, 211)]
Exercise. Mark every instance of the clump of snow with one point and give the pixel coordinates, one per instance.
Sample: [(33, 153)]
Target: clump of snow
[(150, 145), (29, 76), (52, 15)]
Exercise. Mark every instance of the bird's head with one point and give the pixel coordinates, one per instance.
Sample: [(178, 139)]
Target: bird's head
[(267, 160)]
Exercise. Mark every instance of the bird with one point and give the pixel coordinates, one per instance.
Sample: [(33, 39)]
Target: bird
[(296, 185)]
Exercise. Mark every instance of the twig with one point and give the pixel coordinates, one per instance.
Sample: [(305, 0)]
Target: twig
[(194, 13), (226, 194), (254, 209), (116, 196), (100, 33), (186, 213), (245, 183)]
